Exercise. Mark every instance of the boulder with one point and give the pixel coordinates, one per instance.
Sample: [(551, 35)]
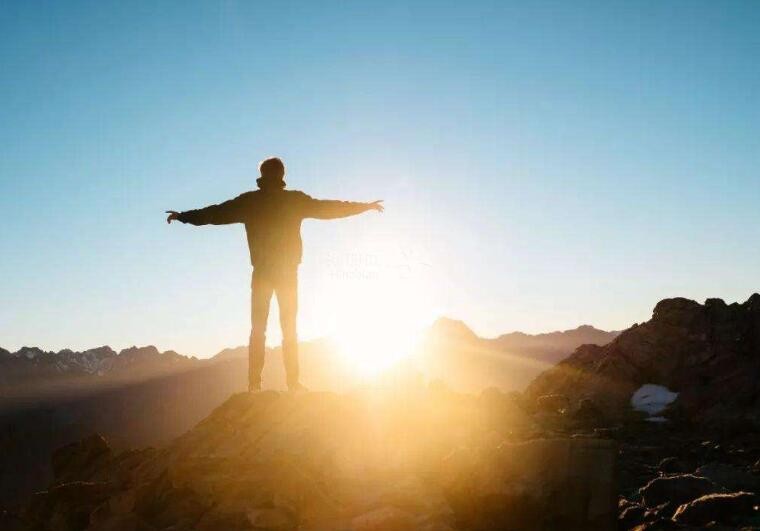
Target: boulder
[(731, 477), (662, 511), (672, 465), (631, 516), (676, 489), (732, 509), (539, 484)]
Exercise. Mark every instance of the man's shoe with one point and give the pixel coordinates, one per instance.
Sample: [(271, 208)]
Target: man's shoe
[(296, 387)]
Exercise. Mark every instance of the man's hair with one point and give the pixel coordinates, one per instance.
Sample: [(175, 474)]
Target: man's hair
[(272, 167)]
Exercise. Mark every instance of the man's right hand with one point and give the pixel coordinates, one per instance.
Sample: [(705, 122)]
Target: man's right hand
[(376, 205), (173, 216)]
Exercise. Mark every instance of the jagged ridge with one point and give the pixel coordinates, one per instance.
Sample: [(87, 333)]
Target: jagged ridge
[(709, 353)]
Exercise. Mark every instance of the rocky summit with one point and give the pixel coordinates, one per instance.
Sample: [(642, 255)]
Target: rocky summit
[(709, 354), (374, 460), (656, 430), (680, 395)]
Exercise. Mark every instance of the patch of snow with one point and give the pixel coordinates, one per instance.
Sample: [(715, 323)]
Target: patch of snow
[(652, 399), (656, 419)]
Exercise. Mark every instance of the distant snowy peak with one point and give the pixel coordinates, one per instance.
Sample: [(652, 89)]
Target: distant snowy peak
[(92, 361), (95, 361), (30, 353)]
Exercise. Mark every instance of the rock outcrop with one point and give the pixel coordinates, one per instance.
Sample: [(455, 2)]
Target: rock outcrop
[(727, 509), (676, 489), (707, 353), (376, 460)]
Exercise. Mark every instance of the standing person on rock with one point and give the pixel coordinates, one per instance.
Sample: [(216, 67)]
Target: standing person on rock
[(272, 217)]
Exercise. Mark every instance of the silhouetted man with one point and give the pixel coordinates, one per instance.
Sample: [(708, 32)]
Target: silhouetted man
[(272, 218)]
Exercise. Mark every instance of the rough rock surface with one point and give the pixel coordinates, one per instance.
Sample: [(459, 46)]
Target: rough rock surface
[(730, 509), (709, 354), (675, 489), (730, 477), (661, 455), (424, 460)]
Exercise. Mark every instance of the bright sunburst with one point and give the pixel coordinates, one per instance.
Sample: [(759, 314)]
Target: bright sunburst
[(378, 317), (373, 342)]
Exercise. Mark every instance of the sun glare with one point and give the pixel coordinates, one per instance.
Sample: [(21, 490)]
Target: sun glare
[(371, 343), (378, 318)]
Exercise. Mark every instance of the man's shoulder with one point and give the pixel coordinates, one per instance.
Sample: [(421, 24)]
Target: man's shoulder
[(246, 196), (297, 195)]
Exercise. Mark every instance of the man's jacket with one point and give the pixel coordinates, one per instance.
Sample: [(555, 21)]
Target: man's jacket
[(272, 220)]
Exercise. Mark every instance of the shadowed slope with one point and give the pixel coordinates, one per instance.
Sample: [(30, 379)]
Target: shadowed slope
[(400, 459)]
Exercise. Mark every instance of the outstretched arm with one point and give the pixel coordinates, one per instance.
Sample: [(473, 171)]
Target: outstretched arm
[(330, 209), (231, 211)]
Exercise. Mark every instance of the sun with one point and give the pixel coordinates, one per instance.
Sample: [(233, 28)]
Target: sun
[(378, 320), (375, 297), (371, 342)]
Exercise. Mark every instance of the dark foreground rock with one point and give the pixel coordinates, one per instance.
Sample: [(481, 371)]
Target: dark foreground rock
[(373, 461), (708, 353), (731, 477), (664, 468), (729, 509), (675, 489)]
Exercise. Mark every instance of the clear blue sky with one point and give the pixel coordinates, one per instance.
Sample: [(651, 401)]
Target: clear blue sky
[(543, 165)]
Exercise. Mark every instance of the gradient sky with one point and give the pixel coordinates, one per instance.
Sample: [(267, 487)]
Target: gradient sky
[(543, 165)]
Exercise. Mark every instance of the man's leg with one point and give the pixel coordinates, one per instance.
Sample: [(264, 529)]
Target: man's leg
[(287, 300), (261, 295)]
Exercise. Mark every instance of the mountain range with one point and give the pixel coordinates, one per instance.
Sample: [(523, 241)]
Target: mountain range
[(143, 397), (33, 373), (700, 451), (455, 355)]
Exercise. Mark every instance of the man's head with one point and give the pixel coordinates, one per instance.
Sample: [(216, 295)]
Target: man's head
[(272, 172)]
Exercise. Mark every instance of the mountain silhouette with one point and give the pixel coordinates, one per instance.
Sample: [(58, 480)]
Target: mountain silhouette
[(141, 396), (709, 354), (408, 454), (32, 373), (454, 354)]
